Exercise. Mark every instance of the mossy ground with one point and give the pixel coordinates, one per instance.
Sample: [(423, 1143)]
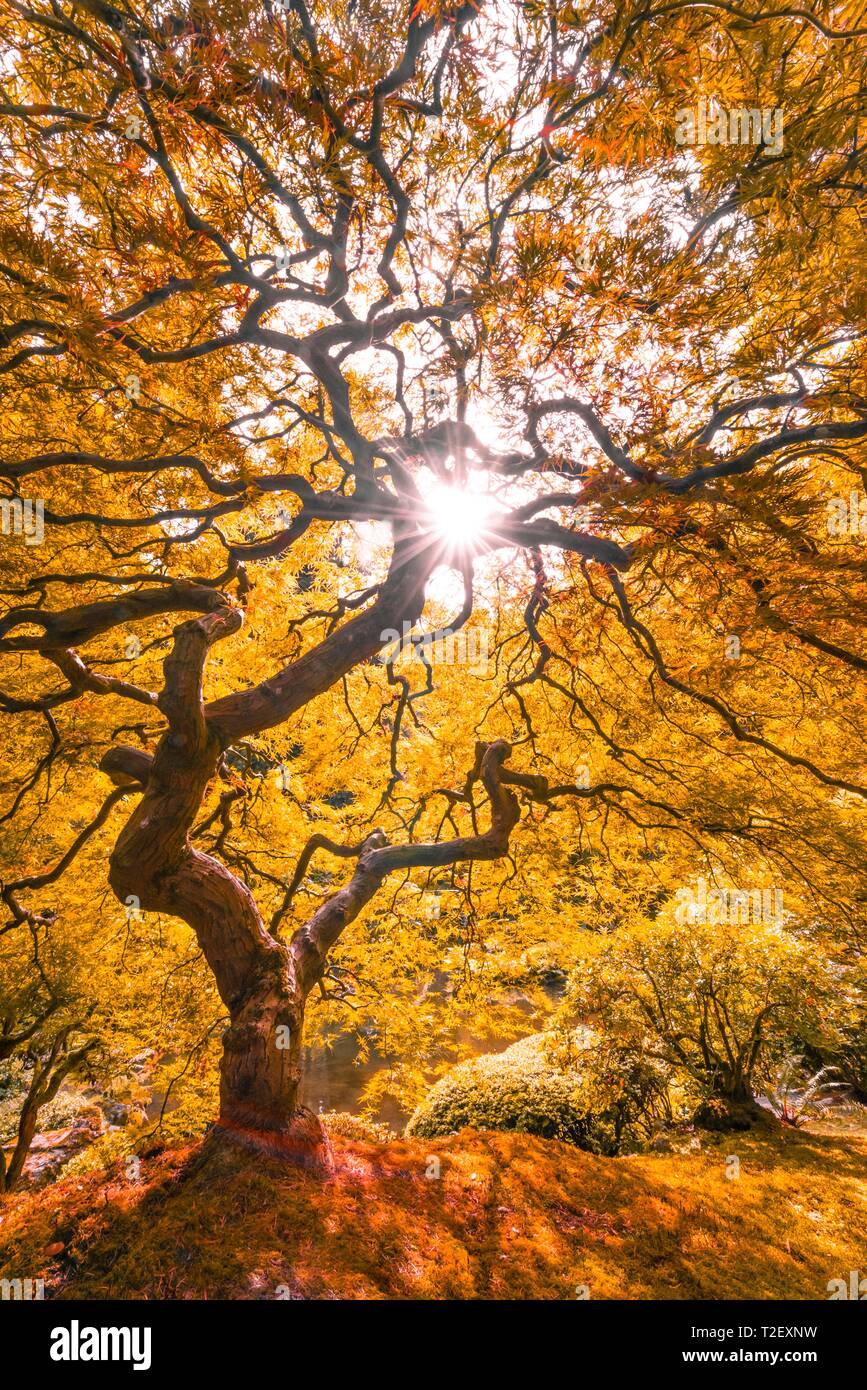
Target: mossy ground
[(510, 1217)]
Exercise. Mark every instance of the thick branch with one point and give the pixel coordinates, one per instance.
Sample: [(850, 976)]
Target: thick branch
[(312, 942)]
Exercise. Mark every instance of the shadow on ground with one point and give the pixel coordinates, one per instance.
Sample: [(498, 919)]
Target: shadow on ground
[(508, 1216)]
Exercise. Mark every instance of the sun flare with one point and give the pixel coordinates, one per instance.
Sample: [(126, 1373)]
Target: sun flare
[(461, 516)]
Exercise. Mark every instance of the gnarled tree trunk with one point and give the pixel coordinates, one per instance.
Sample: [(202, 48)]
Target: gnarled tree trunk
[(256, 978), (154, 863), (260, 1071), (264, 981)]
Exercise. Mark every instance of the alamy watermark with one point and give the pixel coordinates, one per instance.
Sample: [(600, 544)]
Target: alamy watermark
[(445, 647), (23, 516), (847, 516), (709, 123), (77, 1343), (18, 1290), (729, 906), (855, 1287)]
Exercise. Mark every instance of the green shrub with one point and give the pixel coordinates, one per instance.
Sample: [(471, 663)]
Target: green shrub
[(542, 1085)]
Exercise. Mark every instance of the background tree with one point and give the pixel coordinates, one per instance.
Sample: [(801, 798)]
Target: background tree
[(44, 1038), (323, 321), (719, 1005)]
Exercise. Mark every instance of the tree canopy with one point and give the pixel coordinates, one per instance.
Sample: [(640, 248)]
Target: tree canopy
[(433, 508)]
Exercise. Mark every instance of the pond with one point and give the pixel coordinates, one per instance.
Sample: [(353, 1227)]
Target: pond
[(335, 1076)]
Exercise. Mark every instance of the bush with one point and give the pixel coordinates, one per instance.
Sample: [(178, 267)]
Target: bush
[(544, 1085), (847, 1051), (798, 1093), (348, 1126), (849, 1059)]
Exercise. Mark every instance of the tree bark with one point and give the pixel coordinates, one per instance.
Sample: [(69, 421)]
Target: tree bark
[(263, 982), (45, 1082), (254, 973), (260, 1071)]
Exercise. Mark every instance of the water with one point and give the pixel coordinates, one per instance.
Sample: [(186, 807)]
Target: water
[(334, 1077)]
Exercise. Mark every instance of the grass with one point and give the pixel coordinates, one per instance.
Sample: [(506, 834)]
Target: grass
[(509, 1217)]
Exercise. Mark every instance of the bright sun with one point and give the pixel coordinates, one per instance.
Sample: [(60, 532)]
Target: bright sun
[(460, 515)]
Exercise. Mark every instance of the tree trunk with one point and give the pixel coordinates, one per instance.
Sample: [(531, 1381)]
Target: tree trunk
[(48, 1076), (264, 982), (256, 978), (154, 865), (260, 1071)]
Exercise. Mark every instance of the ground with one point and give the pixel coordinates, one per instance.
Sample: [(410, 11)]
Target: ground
[(509, 1217)]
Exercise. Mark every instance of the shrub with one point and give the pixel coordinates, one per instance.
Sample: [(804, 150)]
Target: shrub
[(545, 1085), (849, 1059), (356, 1127), (846, 1052), (796, 1093), (718, 1006)]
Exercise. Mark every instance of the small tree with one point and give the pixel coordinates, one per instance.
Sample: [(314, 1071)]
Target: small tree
[(38, 1030), (717, 1004)]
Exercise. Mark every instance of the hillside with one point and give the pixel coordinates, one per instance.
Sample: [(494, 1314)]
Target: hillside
[(509, 1217)]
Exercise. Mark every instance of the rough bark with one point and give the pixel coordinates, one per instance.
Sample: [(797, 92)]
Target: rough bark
[(262, 981)]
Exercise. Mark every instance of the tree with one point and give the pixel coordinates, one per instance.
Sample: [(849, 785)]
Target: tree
[(305, 306), (719, 1005), (44, 1028)]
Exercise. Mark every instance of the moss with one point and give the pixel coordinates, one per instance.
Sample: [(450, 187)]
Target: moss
[(509, 1216)]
